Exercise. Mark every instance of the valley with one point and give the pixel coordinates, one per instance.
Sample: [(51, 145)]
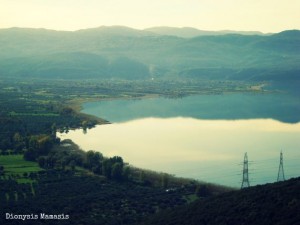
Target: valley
[(206, 97)]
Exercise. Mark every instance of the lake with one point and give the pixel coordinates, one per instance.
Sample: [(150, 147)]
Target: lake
[(202, 137), (281, 107)]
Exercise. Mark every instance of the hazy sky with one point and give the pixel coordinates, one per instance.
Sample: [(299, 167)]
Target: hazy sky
[(261, 15)]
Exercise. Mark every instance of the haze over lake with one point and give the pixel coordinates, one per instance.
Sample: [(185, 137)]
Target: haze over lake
[(202, 137)]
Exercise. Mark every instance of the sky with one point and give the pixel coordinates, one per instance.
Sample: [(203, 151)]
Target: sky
[(244, 15)]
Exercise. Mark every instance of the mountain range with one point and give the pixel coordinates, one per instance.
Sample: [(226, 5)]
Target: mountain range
[(161, 52)]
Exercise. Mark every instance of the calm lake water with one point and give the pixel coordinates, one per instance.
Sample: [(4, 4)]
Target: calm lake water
[(201, 137), (281, 107)]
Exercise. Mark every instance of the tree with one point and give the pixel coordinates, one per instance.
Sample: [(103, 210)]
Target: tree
[(53, 130), (106, 168), (93, 159), (164, 180), (44, 144), (126, 173), (97, 169), (77, 157), (1, 170), (116, 171), (72, 164), (18, 141), (67, 111), (42, 161), (98, 157), (142, 176), (30, 154), (202, 191), (84, 126), (17, 138), (41, 144), (117, 159)]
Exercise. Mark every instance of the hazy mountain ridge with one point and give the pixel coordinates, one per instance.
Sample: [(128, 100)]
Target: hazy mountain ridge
[(126, 53), (189, 32)]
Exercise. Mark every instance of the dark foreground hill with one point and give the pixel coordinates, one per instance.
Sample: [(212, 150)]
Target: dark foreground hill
[(269, 204)]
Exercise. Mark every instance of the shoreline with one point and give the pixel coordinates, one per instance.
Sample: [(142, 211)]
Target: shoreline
[(76, 104)]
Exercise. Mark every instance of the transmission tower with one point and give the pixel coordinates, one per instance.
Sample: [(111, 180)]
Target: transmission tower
[(280, 176), (245, 182)]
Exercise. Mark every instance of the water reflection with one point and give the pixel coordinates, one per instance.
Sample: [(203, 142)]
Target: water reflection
[(279, 106), (209, 150)]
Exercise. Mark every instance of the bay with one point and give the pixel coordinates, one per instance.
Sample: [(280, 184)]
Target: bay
[(201, 137)]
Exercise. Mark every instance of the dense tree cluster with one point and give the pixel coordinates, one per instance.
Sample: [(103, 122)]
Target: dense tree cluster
[(27, 110), (101, 201), (66, 155), (39, 145)]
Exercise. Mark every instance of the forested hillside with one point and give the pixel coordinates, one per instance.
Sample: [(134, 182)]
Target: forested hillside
[(41, 174), (125, 53), (270, 204)]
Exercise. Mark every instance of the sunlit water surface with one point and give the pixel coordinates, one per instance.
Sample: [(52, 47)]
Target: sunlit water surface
[(208, 150), (202, 136)]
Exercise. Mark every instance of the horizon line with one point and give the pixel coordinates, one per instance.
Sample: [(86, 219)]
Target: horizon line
[(143, 29)]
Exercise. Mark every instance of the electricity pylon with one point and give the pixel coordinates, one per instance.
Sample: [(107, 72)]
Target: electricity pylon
[(280, 176), (245, 182)]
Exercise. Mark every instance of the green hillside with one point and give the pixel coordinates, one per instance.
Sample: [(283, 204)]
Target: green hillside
[(125, 53)]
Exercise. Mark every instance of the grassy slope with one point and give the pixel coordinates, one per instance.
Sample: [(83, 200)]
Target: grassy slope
[(16, 166)]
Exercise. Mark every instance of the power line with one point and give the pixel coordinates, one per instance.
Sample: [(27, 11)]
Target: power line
[(280, 176), (245, 181)]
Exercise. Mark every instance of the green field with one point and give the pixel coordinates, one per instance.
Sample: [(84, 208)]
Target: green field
[(16, 166)]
